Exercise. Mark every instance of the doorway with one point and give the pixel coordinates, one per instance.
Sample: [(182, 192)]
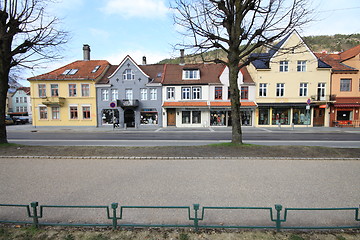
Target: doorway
[(129, 118), (171, 117), (319, 117)]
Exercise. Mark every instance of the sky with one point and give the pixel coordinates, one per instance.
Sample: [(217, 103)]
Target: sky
[(116, 28)]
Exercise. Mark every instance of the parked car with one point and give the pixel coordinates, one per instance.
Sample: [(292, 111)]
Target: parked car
[(21, 120), (8, 120)]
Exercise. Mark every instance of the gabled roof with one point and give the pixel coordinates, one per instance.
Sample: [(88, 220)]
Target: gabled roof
[(154, 71), (85, 71), (209, 73), (352, 52), (25, 89), (122, 63), (336, 61)]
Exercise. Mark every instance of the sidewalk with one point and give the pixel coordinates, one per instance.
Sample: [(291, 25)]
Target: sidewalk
[(30, 128)]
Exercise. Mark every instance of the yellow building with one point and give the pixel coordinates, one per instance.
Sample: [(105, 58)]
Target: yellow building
[(293, 85), (67, 96)]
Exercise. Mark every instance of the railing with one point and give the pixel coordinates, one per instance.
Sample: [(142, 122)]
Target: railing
[(115, 213), (128, 103), (325, 98)]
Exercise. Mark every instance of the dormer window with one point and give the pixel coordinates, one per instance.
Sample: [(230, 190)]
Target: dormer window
[(191, 74), (95, 69), (128, 74)]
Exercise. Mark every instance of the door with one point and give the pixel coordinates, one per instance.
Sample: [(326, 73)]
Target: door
[(319, 117), (129, 118), (171, 117)]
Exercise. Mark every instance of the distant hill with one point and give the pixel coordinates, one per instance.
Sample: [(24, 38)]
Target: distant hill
[(333, 43)]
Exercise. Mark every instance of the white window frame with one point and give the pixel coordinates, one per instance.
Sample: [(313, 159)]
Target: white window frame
[(191, 74), (129, 94), (114, 94), (55, 116), (153, 94), (284, 66), (128, 74), (186, 93), (54, 88), (170, 93), (280, 89), (105, 95), (196, 93), (77, 112), (82, 111), (75, 90), (262, 89), (303, 90), (42, 91), (143, 94), (85, 92), (46, 112), (301, 66)]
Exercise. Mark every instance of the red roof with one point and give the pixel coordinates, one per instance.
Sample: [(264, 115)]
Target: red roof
[(82, 70)]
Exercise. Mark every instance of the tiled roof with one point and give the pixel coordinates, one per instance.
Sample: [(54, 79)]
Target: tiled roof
[(185, 104), (105, 78), (155, 71), (335, 61), (25, 89), (246, 75), (352, 52), (209, 73), (85, 71)]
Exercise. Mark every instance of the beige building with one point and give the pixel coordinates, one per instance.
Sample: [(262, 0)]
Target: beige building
[(293, 85)]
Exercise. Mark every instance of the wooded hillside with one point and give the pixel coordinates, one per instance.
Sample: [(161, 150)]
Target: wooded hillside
[(333, 43)]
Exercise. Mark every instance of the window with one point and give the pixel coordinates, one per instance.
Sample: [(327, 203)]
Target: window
[(196, 117), (55, 113), (72, 90), (86, 112), (153, 94), (105, 95), (218, 93), (196, 92), (303, 89), (43, 112), (321, 91), (185, 93), (284, 66), (262, 89), (73, 112), (170, 93), (70, 71), (129, 94), (149, 117), (17, 99), (95, 69), (280, 116), (25, 99), (301, 66), (42, 90), (85, 90), (264, 116), (143, 94), (54, 90), (301, 116), (280, 89), (229, 93), (114, 94), (345, 85), (128, 74), (191, 74), (185, 117), (244, 93)]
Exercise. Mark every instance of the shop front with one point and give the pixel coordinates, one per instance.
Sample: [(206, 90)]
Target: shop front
[(345, 115)]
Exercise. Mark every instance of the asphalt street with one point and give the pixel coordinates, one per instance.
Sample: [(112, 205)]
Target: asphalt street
[(208, 182)]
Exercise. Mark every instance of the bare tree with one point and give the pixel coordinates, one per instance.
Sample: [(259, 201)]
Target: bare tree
[(238, 27), (27, 37)]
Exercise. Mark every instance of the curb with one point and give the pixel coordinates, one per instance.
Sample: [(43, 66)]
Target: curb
[(178, 158)]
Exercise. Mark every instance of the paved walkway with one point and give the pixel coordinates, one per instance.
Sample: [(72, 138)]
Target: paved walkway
[(227, 182)]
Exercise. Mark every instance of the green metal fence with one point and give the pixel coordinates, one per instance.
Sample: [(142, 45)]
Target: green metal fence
[(195, 215)]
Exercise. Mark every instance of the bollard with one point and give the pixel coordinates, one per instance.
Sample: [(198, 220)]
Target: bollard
[(114, 206), (278, 209), (34, 206)]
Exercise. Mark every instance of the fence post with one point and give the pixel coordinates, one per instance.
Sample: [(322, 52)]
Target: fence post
[(114, 220), (278, 209), (34, 206), (196, 220)]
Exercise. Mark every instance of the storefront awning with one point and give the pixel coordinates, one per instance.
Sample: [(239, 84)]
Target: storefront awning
[(184, 104), (284, 105), (228, 104), (322, 106), (347, 105)]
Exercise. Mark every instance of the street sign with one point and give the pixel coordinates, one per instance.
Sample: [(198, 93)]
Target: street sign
[(308, 101), (112, 104)]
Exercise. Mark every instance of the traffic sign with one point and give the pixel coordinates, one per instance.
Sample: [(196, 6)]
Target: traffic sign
[(112, 104), (308, 101)]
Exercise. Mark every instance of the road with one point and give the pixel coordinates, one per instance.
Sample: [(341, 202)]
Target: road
[(240, 183), (329, 137)]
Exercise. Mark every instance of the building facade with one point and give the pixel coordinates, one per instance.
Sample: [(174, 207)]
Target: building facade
[(19, 102), (130, 96), (293, 85)]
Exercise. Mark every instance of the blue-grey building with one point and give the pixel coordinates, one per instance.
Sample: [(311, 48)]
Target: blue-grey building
[(130, 96)]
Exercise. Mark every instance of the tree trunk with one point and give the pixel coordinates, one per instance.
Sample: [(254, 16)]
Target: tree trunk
[(235, 104), (3, 95)]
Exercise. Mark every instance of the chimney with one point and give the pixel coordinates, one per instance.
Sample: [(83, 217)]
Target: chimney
[(182, 57), (144, 60), (86, 51)]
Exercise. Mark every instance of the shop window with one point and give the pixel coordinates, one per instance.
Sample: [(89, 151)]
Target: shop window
[(344, 115), (196, 116), (301, 116), (109, 116), (246, 117), (186, 117), (149, 117), (280, 116), (264, 116), (217, 118)]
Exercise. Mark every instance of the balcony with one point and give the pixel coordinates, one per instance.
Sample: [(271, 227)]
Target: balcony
[(53, 101), (326, 98), (128, 103)]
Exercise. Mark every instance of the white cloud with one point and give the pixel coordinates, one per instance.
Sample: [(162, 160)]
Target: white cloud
[(138, 8)]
